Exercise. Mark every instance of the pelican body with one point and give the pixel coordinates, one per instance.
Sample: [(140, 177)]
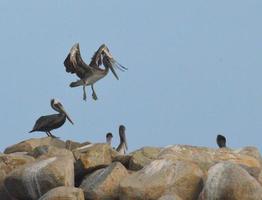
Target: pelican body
[(90, 74), (50, 122), (122, 147), (221, 141)]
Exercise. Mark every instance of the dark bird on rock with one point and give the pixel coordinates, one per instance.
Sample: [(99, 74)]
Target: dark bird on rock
[(109, 137), (50, 122), (90, 74), (122, 147), (221, 141)]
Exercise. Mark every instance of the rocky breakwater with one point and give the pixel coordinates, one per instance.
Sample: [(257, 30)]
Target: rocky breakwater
[(52, 169)]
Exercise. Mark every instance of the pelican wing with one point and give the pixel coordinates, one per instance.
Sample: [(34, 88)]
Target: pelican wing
[(74, 63), (97, 58)]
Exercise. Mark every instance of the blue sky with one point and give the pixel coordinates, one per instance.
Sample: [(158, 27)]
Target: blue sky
[(194, 70)]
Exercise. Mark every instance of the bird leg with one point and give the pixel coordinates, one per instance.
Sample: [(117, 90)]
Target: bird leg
[(84, 92), (51, 135), (94, 93), (47, 134)]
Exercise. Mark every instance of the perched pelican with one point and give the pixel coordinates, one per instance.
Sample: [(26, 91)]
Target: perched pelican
[(50, 122), (122, 147), (109, 137), (221, 141), (89, 74)]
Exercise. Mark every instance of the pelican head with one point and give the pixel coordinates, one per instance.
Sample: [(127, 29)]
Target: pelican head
[(109, 137), (122, 135), (57, 106)]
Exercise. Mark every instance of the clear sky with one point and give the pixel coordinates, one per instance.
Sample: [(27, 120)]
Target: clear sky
[(194, 70)]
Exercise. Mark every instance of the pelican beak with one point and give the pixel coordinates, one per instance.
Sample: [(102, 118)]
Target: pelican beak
[(114, 72), (67, 116)]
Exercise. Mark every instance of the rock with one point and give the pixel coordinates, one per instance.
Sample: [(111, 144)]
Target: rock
[(64, 193), (91, 157), (104, 183), (29, 145), (170, 197), (207, 157), (31, 181), (229, 181), (45, 151), (163, 176), (71, 145), (143, 157), (123, 159), (9, 162)]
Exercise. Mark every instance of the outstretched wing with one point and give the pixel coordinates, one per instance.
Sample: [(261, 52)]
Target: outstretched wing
[(103, 56), (74, 63)]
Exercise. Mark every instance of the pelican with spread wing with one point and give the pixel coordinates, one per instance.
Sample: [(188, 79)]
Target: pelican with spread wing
[(89, 74)]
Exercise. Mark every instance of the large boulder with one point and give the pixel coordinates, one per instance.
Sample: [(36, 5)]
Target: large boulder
[(9, 162), (229, 181), (31, 181), (143, 157), (161, 177), (46, 151), (207, 157), (91, 157), (170, 197), (29, 145), (103, 184), (64, 193)]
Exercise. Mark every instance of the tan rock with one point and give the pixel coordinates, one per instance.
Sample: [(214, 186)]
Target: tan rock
[(31, 181), (71, 145), (123, 159), (229, 181), (104, 183), (207, 157), (64, 193), (29, 145), (46, 151), (161, 177), (143, 157), (91, 157)]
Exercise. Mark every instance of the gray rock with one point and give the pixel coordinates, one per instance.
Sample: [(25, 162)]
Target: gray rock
[(31, 181), (104, 183), (64, 193), (229, 181)]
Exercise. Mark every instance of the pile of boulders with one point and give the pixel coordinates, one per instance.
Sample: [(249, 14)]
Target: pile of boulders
[(51, 169)]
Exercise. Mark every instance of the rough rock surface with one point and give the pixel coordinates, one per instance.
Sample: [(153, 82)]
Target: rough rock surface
[(104, 183), (207, 157), (143, 157), (91, 157), (46, 151), (64, 193), (51, 169), (230, 182), (170, 197), (71, 145), (9, 162), (31, 181), (29, 145), (161, 176)]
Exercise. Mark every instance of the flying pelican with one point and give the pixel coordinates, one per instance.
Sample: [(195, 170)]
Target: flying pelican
[(89, 74), (122, 147), (109, 137), (221, 141), (50, 122)]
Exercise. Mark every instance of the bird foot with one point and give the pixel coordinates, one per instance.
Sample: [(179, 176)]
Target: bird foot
[(94, 96)]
